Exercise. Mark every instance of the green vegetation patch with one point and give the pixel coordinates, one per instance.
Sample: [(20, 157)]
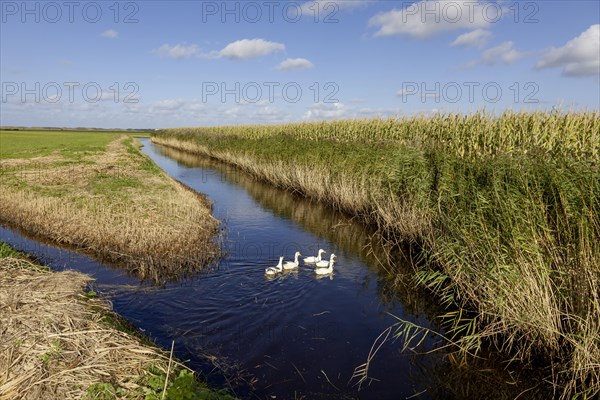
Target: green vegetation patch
[(7, 251), (113, 185), (29, 144)]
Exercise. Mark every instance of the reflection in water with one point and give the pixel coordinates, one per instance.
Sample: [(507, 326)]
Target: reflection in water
[(323, 319), (314, 217), (393, 268)]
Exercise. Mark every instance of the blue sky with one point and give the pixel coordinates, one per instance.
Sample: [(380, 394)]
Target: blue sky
[(153, 64)]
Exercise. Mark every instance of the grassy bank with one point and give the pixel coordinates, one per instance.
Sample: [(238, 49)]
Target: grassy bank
[(96, 192), (59, 342), (505, 209)]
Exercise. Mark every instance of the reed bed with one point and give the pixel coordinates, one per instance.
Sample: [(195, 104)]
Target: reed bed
[(505, 210), (471, 135), (112, 203)]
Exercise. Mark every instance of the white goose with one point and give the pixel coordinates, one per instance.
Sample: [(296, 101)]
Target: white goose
[(323, 263), (314, 259), (322, 269), (292, 265), (276, 269)]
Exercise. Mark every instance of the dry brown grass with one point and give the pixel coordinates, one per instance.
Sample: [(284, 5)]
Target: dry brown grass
[(53, 343), (114, 205)]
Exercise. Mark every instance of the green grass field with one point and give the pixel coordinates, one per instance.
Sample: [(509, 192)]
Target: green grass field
[(97, 192), (28, 144)]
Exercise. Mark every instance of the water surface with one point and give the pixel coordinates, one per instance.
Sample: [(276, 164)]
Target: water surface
[(296, 331)]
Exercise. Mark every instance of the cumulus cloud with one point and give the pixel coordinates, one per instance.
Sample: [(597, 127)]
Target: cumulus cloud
[(325, 111), (167, 105), (504, 53), (131, 108), (178, 51), (339, 110), (426, 18), (238, 50), (578, 57), (269, 113), (477, 38), (196, 106), (294, 63), (110, 34), (250, 48)]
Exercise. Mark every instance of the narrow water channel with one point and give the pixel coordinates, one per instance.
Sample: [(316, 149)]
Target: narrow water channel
[(296, 335)]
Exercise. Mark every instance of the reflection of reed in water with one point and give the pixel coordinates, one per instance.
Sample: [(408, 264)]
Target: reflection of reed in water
[(180, 267), (319, 219), (393, 267), (480, 379)]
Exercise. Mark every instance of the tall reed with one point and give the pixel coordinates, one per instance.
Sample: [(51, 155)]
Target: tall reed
[(505, 208)]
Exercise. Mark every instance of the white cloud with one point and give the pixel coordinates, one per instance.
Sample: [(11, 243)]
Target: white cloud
[(238, 50), (477, 38), (85, 106), (504, 53), (131, 108), (250, 48), (294, 63), (108, 95), (196, 106), (234, 111), (339, 110), (110, 34), (269, 113), (178, 51), (578, 57), (325, 111), (426, 18), (167, 105)]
